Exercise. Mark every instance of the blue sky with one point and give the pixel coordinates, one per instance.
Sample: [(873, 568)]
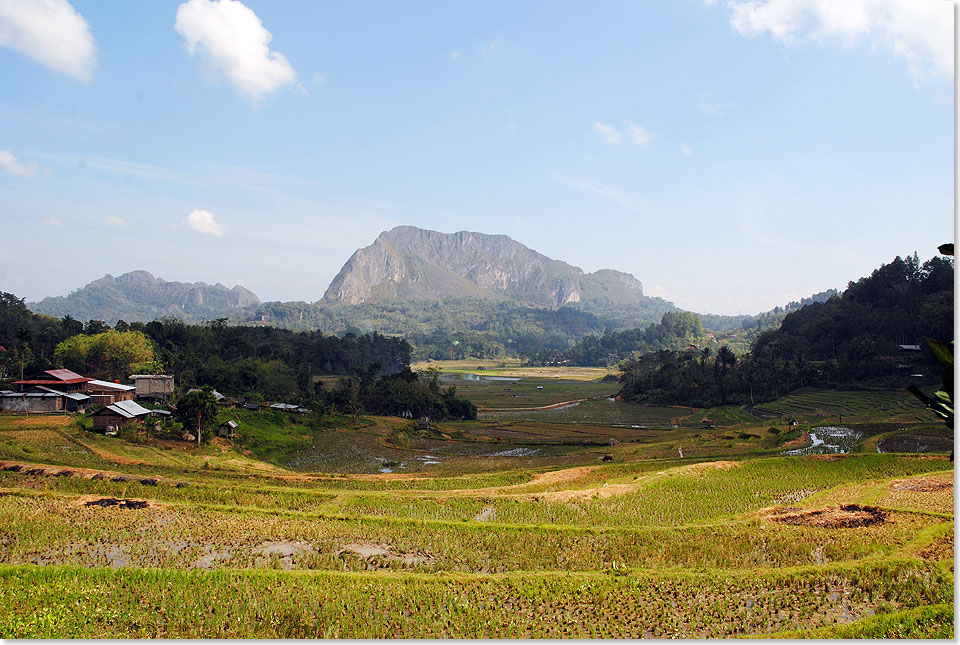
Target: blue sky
[(731, 155)]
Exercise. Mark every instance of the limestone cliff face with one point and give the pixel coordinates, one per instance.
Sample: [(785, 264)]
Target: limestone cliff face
[(408, 262)]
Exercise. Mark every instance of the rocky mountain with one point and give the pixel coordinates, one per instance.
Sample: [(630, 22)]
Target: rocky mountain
[(412, 263), (138, 296)]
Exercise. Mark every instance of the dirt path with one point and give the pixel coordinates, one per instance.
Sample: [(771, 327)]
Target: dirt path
[(552, 406), (606, 491)]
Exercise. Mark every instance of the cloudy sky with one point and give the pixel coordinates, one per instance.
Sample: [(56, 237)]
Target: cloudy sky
[(733, 155)]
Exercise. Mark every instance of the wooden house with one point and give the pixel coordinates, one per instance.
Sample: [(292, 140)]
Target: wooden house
[(61, 380), (42, 399), (119, 415), (105, 392), (155, 387), (228, 430)]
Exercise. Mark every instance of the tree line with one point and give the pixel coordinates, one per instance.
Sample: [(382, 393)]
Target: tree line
[(865, 337)]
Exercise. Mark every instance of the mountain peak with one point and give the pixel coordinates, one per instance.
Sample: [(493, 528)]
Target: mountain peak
[(419, 264), (139, 296)]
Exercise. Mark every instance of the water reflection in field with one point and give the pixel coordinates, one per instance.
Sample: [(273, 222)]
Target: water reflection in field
[(829, 440)]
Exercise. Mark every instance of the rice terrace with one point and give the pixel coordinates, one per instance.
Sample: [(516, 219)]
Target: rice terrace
[(490, 528)]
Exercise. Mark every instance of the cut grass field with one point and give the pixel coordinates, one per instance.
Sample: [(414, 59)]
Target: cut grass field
[(517, 530), (514, 368)]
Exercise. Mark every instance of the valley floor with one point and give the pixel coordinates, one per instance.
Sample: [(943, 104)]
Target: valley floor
[(495, 536)]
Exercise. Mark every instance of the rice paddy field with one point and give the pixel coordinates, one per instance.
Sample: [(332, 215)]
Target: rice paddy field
[(693, 524)]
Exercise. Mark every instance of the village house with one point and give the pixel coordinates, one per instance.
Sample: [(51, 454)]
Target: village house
[(105, 392), (155, 387), (118, 415), (61, 380), (42, 399), (50, 391)]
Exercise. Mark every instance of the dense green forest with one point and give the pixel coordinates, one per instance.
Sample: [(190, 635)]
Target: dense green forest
[(452, 328), (862, 338), (273, 362), (404, 393), (675, 331), (250, 362)]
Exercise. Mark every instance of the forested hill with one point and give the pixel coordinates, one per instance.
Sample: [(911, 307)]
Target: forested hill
[(139, 296), (270, 361), (675, 331), (873, 335)]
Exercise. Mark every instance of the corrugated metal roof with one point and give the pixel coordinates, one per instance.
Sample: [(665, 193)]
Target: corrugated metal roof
[(62, 375), (231, 423), (215, 394), (127, 409), (48, 381), (76, 396), (51, 390), (161, 377), (108, 384)]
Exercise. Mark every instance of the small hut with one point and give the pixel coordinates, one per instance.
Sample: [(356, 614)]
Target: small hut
[(118, 415), (228, 430)]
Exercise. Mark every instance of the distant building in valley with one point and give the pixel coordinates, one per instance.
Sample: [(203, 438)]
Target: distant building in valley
[(105, 392), (118, 415), (155, 387)]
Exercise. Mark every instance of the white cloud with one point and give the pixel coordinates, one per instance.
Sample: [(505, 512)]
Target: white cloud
[(318, 78), (50, 32), (639, 135), (487, 49), (203, 222), (115, 222), (10, 163), (609, 133), (234, 40), (686, 151), (708, 104), (456, 54), (918, 31), (53, 222)]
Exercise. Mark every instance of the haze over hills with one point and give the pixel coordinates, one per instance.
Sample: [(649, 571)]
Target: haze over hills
[(412, 263), (481, 294), (138, 296)]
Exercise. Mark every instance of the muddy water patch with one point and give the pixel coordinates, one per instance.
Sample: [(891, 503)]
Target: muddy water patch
[(381, 556), (106, 502), (847, 516), (829, 440)]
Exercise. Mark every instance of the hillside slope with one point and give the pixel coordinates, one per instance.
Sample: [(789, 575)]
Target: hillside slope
[(138, 296)]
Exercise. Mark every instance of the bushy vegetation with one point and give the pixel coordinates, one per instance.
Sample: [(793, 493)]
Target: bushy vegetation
[(675, 331), (28, 340), (108, 354), (848, 341), (404, 393)]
